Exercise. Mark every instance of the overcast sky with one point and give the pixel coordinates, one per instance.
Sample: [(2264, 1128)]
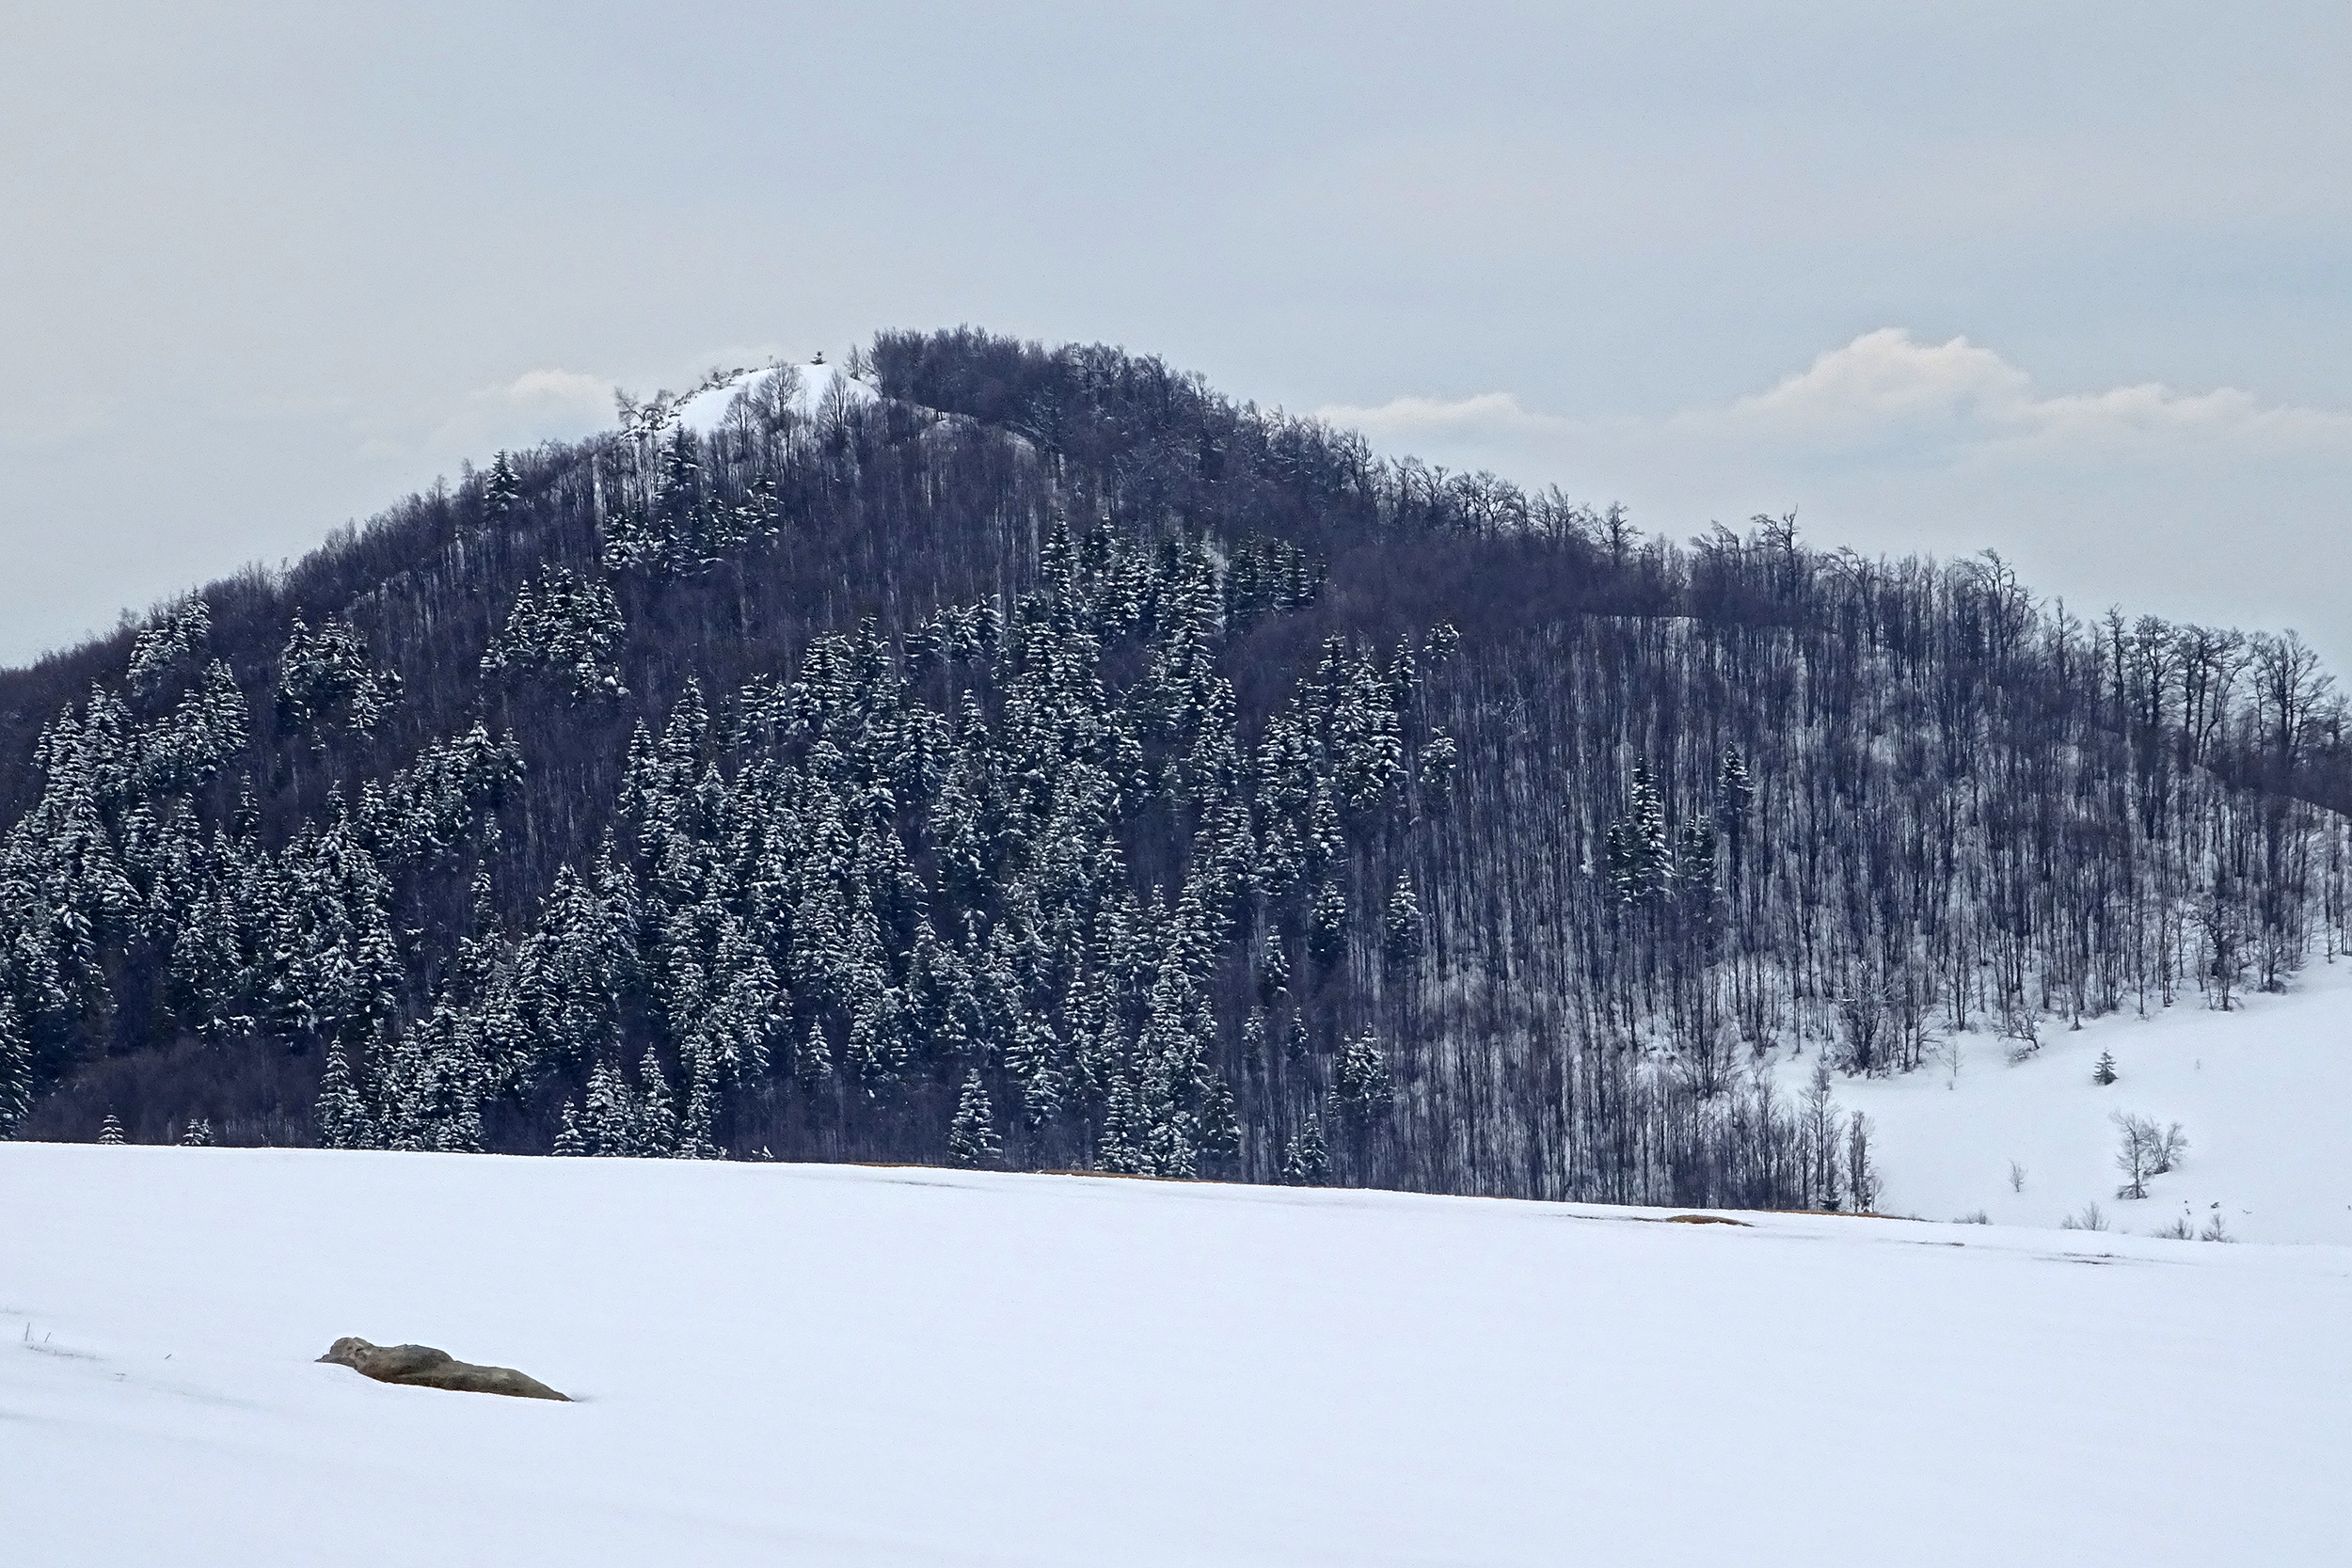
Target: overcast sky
[(2065, 281)]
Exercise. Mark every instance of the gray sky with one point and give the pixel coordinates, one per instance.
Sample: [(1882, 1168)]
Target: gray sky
[(2067, 281)]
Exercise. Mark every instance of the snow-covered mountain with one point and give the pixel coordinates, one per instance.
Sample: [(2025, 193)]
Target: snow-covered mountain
[(1027, 757), (839, 1366)]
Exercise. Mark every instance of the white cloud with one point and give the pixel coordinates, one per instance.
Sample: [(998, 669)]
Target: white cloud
[(1880, 385), (1885, 394), (538, 405), (2212, 504)]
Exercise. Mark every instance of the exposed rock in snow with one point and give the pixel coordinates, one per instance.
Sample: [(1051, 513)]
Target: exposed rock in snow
[(423, 1366)]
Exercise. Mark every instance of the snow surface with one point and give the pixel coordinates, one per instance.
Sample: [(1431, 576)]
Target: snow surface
[(2262, 1092), (844, 1365), (707, 410)]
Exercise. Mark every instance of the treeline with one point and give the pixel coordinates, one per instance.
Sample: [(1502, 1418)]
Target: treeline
[(1028, 756)]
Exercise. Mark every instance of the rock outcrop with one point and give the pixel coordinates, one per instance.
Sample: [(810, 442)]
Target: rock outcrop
[(423, 1366)]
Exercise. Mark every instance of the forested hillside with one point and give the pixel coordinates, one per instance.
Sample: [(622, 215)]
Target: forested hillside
[(1029, 757)]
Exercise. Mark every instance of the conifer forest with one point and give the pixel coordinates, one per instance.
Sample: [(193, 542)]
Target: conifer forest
[(1030, 758)]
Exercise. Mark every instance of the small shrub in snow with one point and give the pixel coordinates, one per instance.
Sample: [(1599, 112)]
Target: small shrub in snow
[(2179, 1230), (2091, 1218), (2215, 1230), (2021, 1034), (2016, 1177), (2104, 1072), (1979, 1217)]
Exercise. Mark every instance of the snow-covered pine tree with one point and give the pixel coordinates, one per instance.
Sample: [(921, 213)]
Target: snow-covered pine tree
[(1401, 928), (327, 681), (502, 490), (972, 1138), (1121, 1148), (1361, 1083), (657, 1115), (110, 1130), (1327, 925), (1638, 862), (608, 1122), (1734, 797), (1309, 1160), (1220, 1134), (342, 1116), (16, 1067)]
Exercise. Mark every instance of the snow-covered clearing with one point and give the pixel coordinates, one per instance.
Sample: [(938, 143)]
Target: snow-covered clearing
[(2263, 1094), (707, 410), (826, 1365)]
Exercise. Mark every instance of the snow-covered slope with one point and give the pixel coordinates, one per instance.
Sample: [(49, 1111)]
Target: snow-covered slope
[(822, 1365), (709, 408), (2263, 1094)]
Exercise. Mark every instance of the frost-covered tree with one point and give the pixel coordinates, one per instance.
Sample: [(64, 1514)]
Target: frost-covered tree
[(564, 627), (16, 1067), (1361, 1085), (972, 1138), (1400, 931), (1308, 1162), (327, 681)]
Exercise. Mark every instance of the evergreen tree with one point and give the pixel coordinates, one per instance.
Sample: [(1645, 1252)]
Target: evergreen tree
[(1327, 927), (110, 1130), (568, 1138), (343, 1122), (1735, 796), (656, 1129), (972, 1140), (1362, 1080), (1401, 931), (16, 1067), (1639, 865), (1221, 1123), (502, 490), (1309, 1160)]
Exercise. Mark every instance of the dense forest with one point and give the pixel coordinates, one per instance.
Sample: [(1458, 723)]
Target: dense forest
[(1022, 756)]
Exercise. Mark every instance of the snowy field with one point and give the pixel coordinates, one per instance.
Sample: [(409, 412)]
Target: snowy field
[(2264, 1095), (819, 1365)]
